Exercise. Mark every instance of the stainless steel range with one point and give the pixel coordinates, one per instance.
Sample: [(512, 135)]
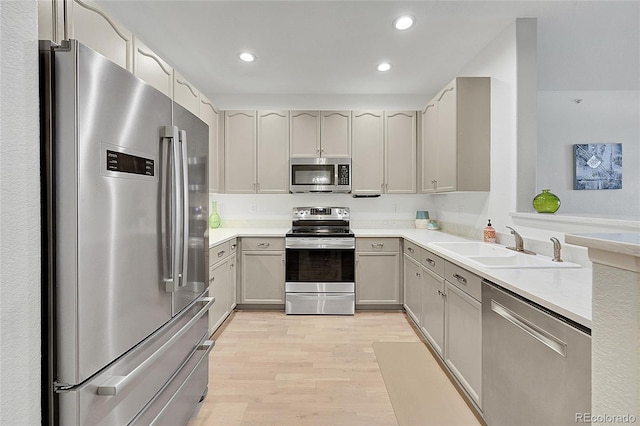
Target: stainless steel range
[(320, 262)]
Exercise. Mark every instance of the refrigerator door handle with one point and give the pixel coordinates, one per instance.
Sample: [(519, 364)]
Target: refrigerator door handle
[(172, 282), (185, 206), (115, 384)]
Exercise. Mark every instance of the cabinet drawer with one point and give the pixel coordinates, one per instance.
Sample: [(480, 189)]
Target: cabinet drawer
[(262, 243), (463, 279), (219, 252), (378, 245), (413, 250), (433, 262)]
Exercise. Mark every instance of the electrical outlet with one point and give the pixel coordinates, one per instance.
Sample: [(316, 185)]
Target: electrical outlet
[(395, 208), (254, 207)]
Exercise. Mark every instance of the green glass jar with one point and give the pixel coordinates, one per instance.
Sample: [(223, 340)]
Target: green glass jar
[(546, 202), (214, 218)]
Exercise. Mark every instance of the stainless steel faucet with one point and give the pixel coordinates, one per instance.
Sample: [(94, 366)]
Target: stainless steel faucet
[(519, 242), (556, 250)]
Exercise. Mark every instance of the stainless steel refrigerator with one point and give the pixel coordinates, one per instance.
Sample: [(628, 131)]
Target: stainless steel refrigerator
[(125, 312)]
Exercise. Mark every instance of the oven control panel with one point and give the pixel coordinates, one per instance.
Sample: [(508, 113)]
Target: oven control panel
[(321, 213)]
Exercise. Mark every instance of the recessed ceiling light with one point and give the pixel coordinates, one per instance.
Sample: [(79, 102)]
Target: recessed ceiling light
[(404, 22), (385, 66), (246, 56)]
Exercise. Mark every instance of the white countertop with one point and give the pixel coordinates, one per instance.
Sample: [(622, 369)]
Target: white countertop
[(566, 291), (623, 243)]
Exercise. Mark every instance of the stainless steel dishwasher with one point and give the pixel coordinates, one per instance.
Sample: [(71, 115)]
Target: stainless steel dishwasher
[(536, 365)]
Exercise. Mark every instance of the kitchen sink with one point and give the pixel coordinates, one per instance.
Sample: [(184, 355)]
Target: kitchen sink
[(519, 260), (475, 248), (489, 255)]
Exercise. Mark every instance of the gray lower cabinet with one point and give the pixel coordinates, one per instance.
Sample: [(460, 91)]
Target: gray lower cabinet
[(378, 271), (222, 282), (412, 289), (444, 301), (262, 271), (433, 309), (463, 329)]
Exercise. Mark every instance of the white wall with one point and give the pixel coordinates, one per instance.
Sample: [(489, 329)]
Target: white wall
[(19, 215), (497, 60), (601, 117)]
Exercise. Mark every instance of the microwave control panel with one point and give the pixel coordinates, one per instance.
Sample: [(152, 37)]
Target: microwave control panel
[(343, 174)]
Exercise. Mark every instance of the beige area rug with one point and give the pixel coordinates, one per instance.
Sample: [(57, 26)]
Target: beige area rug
[(420, 392)]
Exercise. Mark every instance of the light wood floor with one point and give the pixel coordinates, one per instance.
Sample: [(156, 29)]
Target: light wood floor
[(268, 368)]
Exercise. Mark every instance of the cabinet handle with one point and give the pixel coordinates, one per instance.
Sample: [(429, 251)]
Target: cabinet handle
[(264, 245), (221, 253), (417, 274), (377, 245), (460, 278), (431, 262), (212, 279), (233, 246), (410, 249)]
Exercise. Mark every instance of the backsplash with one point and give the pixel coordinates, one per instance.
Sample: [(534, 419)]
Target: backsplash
[(387, 211)]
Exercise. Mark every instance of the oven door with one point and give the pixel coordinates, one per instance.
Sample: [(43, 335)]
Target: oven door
[(320, 265)]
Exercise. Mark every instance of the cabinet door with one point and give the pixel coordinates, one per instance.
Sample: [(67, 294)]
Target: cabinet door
[(240, 152), (447, 139), (273, 152), (97, 30), (377, 279), (185, 93), (151, 68), (429, 148), (433, 301), (412, 289), (463, 340), (305, 134), (262, 277), (233, 268), (210, 115), (335, 134), (367, 163), (218, 288), (400, 152)]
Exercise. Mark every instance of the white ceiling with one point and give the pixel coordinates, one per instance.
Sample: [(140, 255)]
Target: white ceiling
[(315, 54)]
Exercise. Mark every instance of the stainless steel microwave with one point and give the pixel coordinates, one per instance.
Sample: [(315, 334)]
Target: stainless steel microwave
[(320, 175)]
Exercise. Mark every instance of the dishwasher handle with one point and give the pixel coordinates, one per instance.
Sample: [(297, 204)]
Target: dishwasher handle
[(534, 331)]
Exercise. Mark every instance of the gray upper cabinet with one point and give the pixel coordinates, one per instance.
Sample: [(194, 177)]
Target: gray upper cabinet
[(335, 134), (367, 160), (320, 134), (240, 152), (185, 93), (91, 26), (305, 134), (456, 137), (152, 68), (256, 152), (400, 152), (210, 115), (273, 152)]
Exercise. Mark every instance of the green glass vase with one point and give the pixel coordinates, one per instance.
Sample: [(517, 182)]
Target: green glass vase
[(546, 202), (214, 217)]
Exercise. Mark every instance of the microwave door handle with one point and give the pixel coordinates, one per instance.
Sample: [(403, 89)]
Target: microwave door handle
[(172, 178), (185, 208)]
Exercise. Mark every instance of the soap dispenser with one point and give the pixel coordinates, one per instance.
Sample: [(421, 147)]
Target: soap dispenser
[(489, 233)]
